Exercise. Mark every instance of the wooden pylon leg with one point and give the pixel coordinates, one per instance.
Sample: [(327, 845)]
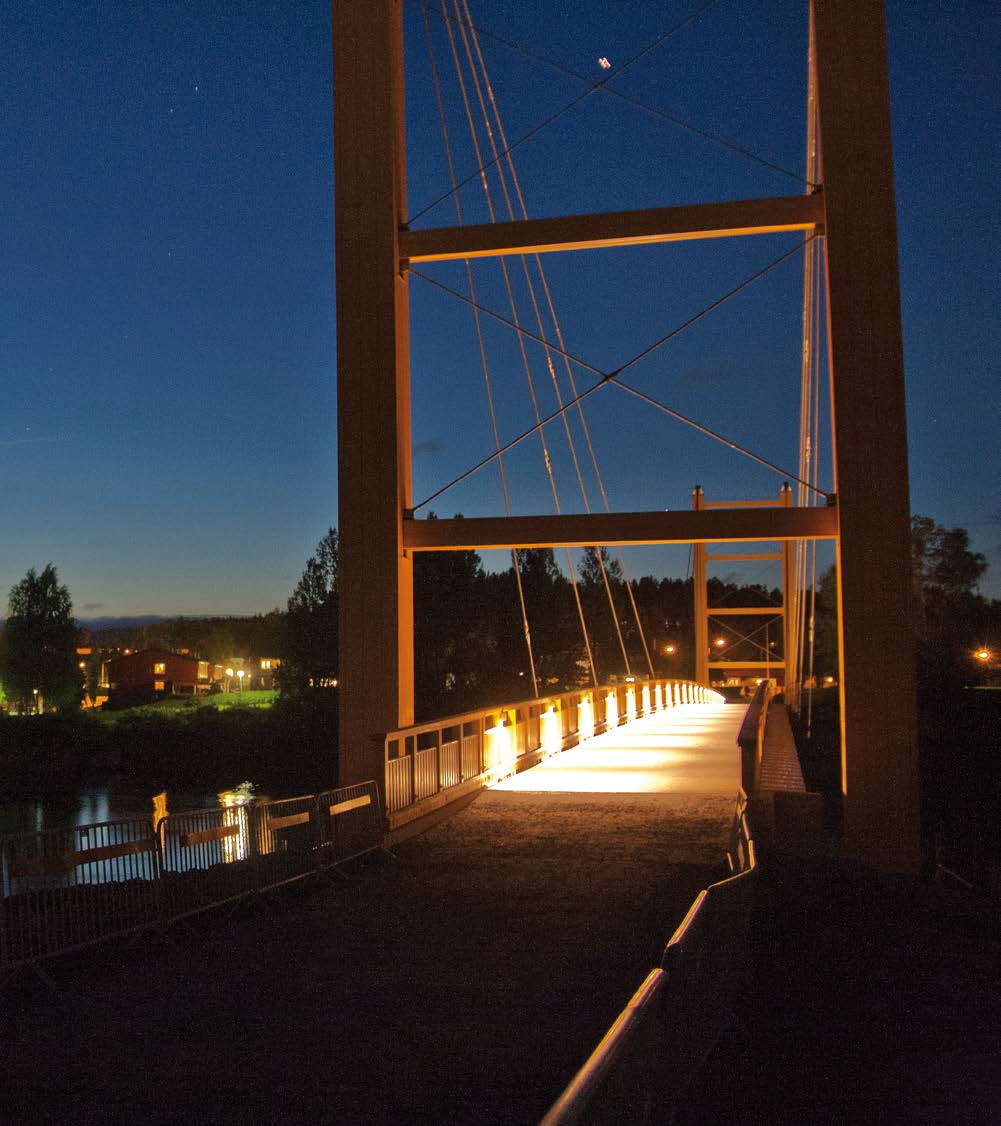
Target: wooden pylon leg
[(373, 393), (878, 681)]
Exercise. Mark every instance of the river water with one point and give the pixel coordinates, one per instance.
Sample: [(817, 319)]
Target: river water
[(91, 806)]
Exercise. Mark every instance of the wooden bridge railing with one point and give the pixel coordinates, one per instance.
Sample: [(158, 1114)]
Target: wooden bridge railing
[(433, 764)]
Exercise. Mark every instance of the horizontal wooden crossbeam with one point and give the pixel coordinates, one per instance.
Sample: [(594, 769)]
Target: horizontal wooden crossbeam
[(743, 558), (772, 664), (615, 228), (625, 528), (745, 611)]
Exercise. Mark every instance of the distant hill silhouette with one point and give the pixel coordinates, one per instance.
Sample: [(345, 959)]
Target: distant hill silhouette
[(95, 624), (120, 623)]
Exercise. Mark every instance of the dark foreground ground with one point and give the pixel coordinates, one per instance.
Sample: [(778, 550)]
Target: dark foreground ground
[(467, 980), (464, 982), (869, 1000)]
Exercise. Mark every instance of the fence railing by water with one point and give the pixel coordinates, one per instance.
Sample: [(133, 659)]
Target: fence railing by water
[(433, 764), (65, 889), (664, 1034)]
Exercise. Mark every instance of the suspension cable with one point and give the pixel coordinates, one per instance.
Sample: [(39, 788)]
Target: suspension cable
[(614, 377), (515, 560), (507, 283), (551, 308), (724, 626), (809, 466), (605, 88), (473, 39), (713, 305), (535, 130), (705, 430)]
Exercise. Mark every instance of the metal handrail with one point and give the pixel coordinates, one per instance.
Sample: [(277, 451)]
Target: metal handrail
[(618, 1042), (634, 1071), (64, 889), (751, 737)]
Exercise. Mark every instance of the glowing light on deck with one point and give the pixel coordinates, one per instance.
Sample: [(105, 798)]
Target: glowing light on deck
[(551, 734), (501, 749), (585, 718)]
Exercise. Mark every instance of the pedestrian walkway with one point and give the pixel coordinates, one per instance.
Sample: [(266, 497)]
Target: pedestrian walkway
[(690, 749), (466, 981)]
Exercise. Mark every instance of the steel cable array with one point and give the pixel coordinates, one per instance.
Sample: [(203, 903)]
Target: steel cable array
[(460, 27)]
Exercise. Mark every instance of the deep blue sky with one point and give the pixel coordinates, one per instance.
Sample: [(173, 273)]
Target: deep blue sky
[(167, 334)]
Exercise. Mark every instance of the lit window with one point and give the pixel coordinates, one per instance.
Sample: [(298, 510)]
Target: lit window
[(160, 668), (158, 686), (265, 663)]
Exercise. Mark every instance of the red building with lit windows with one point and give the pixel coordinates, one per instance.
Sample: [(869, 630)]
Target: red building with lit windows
[(152, 673)]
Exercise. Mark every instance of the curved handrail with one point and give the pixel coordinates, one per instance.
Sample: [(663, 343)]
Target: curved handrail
[(751, 737), (573, 1104), (648, 1013)]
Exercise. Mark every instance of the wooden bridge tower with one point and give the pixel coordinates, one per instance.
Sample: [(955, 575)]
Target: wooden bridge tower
[(855, 211)]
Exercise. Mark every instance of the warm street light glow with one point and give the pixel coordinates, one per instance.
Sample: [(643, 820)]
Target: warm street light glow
[(501, 749), (983, 654), (552, 741), (585, 718), (669, 649), (611, 711), (719, 642), (160, 810)]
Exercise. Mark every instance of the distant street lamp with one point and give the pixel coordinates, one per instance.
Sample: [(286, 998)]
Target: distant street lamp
[(240, 675), (720, 642), (229, 678), (34, 692), (983, 655)]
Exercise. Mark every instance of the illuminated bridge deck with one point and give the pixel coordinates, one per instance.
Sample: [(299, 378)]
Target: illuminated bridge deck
[(464, 982), (690, 749)]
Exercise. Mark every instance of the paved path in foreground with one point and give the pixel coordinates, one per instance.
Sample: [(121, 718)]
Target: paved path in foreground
[(464, 982)]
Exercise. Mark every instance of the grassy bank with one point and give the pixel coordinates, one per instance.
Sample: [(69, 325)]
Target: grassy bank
[(180, 706), (285, 748)]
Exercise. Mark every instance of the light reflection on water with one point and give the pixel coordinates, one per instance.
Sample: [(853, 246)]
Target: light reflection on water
[(91, 806)]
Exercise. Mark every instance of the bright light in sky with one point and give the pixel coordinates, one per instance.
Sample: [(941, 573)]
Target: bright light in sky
[(167, 327)]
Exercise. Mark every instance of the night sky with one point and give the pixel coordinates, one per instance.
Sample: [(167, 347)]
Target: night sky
[(167, 333)]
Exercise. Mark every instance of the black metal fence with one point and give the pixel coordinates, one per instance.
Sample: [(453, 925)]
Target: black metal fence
[(64, 889)]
